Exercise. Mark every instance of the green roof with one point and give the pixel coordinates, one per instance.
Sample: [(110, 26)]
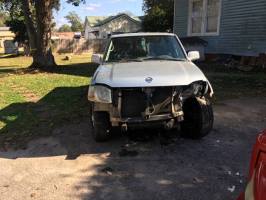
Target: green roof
[(101, 20)]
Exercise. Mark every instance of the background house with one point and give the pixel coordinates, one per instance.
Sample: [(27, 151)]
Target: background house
[(234, 27), (7, 46), (101, 27)]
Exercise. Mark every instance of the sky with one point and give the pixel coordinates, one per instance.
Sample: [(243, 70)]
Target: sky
[(98, 8)]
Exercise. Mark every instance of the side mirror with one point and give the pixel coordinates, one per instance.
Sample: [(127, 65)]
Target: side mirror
[(193, 55), (97, 58)]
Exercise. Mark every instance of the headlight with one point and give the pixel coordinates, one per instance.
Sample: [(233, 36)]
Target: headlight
[(98, 93), (199, 88)]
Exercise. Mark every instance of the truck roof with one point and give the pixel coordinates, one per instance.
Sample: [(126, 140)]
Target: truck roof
[(142, 34)]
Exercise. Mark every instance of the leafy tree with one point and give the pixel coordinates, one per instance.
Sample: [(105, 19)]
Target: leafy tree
[(159, 15), (3, 18), (17, 26), (64, 28), (15, 21), (3, 14), (75, 21), (38, 19)]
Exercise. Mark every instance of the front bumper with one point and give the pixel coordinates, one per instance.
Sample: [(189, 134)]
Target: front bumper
[(143, 105), (117, 120), (154, 118)]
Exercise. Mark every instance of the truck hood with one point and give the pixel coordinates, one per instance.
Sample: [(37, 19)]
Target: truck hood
[(148, 74)]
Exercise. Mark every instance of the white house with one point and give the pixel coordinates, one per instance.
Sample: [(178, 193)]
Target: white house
[(7, 44), (99, 27)]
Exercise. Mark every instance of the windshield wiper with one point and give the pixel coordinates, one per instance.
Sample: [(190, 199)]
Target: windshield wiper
[(150, 58), (131, 60), (164, 58)]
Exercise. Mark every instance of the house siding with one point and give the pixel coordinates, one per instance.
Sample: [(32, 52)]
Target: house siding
[(242, 27)]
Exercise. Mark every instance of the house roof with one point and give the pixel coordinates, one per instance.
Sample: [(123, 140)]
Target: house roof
[(95, 21)]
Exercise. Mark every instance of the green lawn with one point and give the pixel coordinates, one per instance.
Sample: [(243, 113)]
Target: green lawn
[(33, 104), (237, 84)]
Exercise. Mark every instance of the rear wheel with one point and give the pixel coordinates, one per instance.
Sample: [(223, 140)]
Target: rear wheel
[(198, 118), (101, 126)]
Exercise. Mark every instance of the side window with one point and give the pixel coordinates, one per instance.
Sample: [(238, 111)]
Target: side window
[(196, 16), (204, 17), (212, 18)]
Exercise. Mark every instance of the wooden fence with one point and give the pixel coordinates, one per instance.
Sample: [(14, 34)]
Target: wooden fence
[(78, 46)]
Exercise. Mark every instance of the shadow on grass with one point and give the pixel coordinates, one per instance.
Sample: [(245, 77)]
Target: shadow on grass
[(9, 56), (56, 125), (8, 70), (27, 120), (76, 69), (62, 106)]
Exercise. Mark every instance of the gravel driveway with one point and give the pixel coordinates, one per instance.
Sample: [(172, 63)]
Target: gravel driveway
[(158, 165)]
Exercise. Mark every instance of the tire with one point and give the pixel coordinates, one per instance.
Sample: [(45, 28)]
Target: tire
[(198, 118), (100, 126)]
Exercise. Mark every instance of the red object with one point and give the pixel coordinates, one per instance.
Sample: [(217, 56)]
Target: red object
[(257, 169), (241, 197)]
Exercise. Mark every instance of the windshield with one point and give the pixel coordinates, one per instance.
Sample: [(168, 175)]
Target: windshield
[(140, 48)]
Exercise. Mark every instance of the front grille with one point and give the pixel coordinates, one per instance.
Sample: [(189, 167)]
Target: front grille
[(135, 101)]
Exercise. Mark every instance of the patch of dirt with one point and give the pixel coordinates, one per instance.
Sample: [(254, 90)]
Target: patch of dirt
[(70, 165), (28, 95)]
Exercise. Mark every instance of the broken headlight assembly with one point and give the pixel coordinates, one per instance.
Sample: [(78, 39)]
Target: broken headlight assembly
[(99, 93), (198, 88)]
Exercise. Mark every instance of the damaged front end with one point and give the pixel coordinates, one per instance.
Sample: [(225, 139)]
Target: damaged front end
[(142, 106)]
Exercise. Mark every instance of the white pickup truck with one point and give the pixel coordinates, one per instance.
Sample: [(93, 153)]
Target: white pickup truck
[(148, 80)]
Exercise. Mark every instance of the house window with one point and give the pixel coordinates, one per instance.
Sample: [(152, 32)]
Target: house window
[(204, 17), (196, 17)]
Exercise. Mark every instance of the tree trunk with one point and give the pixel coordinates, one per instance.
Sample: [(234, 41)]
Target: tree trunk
[(43, 60), (40, 36)]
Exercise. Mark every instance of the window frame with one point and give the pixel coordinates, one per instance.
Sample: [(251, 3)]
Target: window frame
[(204, 19)]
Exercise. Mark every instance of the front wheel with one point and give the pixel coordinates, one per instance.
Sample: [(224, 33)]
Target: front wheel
[(101, 126), (198, 118)]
